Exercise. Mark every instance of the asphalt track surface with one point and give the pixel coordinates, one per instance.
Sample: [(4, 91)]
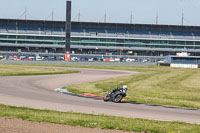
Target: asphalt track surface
[(38, 92)]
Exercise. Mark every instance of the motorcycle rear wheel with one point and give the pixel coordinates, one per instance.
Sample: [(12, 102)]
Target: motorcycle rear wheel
[(106, 98)]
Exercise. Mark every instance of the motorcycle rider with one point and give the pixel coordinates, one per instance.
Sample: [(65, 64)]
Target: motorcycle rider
[(123, 89)]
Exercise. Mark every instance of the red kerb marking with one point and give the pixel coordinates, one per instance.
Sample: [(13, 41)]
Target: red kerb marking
[(96, 96), (91, 95)]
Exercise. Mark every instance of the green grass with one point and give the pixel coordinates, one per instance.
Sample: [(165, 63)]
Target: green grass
[(155, 85), (97, 121), (23, 71)]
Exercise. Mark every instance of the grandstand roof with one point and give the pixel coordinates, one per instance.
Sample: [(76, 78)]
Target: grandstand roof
[(99, 25)]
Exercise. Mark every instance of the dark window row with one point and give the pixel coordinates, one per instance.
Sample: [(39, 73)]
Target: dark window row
[(61, 40)]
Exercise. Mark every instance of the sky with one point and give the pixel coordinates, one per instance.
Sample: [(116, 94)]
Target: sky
[(119, 11)]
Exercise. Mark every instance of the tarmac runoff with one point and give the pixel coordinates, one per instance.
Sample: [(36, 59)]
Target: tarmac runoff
[(39, 92)]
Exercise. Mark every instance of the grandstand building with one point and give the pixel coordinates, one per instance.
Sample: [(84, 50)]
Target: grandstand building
[(98, 38)]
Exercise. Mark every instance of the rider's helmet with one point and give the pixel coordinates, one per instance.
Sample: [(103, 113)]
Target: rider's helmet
[(125, 87)]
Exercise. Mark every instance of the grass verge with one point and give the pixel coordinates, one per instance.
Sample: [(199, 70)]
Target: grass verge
[(96, 121), (23, 71), (156, 85)]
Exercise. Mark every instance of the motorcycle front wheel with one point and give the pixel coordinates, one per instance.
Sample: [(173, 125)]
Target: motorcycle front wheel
[(118, 98)]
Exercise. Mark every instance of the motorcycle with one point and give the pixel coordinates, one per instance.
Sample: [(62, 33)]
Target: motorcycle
[(116, 96)]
